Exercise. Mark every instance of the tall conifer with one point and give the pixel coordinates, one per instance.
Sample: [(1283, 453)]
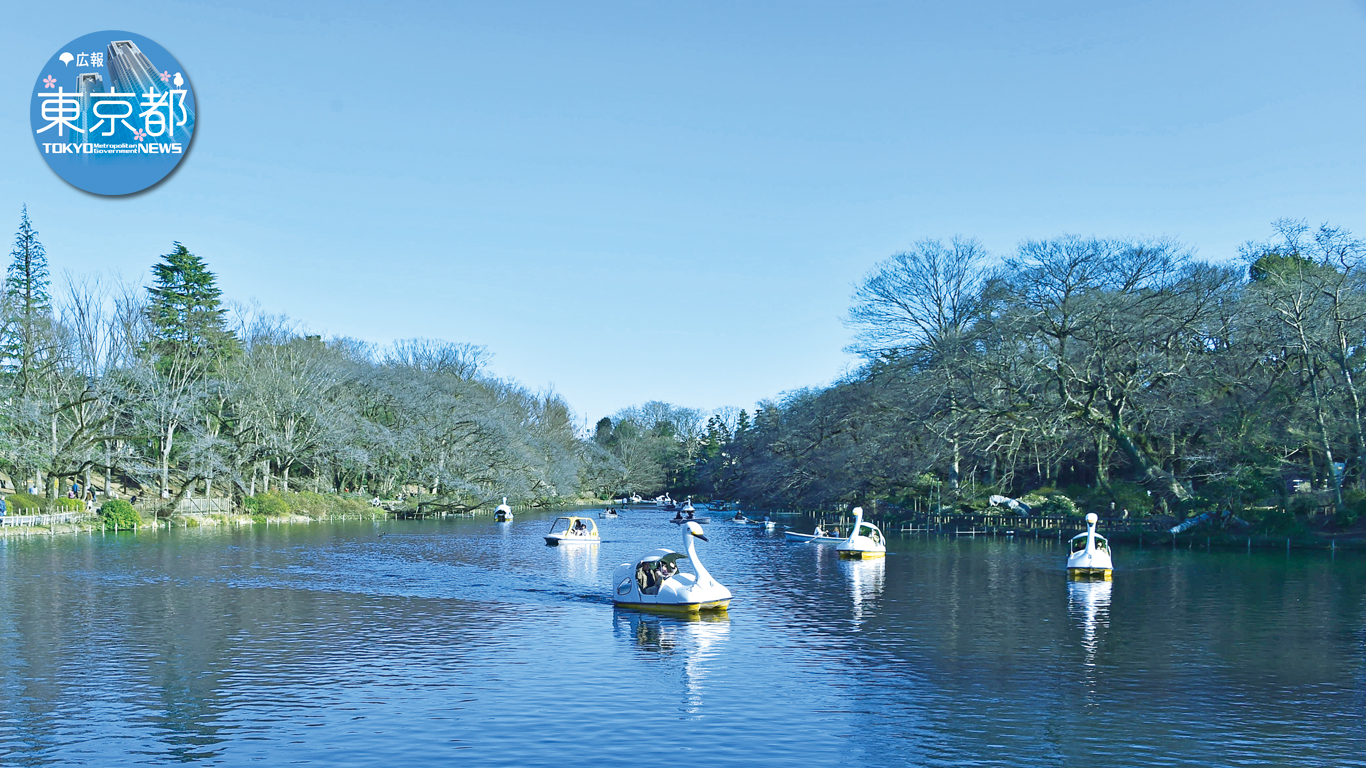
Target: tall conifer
[(186, 312), (28, 307)]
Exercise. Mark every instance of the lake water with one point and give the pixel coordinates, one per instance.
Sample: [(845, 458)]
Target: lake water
[(472, 643)]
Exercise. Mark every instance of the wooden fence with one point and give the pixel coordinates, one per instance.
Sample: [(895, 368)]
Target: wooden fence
[(49, 519), (204, 507), (1034, 524)]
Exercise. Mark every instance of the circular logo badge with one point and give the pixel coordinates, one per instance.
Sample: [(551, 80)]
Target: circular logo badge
[(112, 113)]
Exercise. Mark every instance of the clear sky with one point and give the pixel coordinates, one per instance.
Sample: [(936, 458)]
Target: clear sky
[(645, 200)]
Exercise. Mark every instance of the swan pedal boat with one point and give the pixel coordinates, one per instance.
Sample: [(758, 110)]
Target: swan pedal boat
[(573, 530), (1090, 554), (654, 583), (865, 540), (503, 514)]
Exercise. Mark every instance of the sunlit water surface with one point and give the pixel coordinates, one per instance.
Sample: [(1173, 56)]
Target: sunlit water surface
[(472, 643)]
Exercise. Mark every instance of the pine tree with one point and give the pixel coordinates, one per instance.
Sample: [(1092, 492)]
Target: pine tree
[(28, 308), (187, 317)]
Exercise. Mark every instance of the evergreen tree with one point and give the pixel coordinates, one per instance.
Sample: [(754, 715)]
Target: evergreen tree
[(28, 307), (188, 326)]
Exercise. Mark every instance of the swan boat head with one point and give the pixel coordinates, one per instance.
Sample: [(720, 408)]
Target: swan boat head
[(865, 540), (654, 582)]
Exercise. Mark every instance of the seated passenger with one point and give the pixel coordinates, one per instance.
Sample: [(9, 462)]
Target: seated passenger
[(649, 578)]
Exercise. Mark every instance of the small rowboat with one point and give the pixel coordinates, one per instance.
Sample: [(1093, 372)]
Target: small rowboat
[(699, 520), (811, 537)]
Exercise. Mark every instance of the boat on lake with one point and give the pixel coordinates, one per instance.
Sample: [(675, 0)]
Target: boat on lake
[(610, 514), (819, 536), (1089, 556), (503, 514), (865, 540), (654, 582), (573, 530)]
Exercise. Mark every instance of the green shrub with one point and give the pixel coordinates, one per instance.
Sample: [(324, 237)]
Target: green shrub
[(25, 504), (1050, 503), (118, 514), (1353, 505), (315, 505), (1302, 504), (70, 505)]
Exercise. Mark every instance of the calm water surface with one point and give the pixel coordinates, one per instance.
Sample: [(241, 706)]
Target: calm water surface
[(472, 643)]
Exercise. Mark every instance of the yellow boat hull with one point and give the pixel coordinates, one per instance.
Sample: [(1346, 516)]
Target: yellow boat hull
[(676, 608), (1090, 574), (854, 554)]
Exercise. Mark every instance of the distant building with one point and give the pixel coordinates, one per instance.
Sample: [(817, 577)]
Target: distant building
[(89, 82), (130, 71)]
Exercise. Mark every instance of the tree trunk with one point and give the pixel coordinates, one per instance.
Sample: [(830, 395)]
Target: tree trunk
[(1153, 475), (1323, 424), (1102, 461), (166, 444)]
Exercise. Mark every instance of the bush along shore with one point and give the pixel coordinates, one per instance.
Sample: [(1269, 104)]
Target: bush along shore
[(118, 515)]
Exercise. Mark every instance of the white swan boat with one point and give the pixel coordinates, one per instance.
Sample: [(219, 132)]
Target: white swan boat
[(1090, 553), (654, 583), (503, 514), (865, 540), (573, 530)]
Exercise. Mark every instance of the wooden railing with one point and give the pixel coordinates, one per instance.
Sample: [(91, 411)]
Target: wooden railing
[(951, 523), (47, 519)]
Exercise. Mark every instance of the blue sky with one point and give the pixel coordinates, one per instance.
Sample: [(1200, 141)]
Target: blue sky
[(644, 200)]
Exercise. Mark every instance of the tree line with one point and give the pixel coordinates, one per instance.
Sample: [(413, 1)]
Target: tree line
[(1121, 373), (1110, 372), (167, 391)]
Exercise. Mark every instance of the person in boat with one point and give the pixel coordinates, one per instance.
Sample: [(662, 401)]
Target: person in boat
[(580, 529), (666, 571), (690, 514), (738, 515), (819, 532), (678, 515)]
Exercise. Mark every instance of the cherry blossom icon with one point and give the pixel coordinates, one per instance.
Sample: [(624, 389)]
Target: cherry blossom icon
[(49, 81), (139, 134), (165, 77)]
